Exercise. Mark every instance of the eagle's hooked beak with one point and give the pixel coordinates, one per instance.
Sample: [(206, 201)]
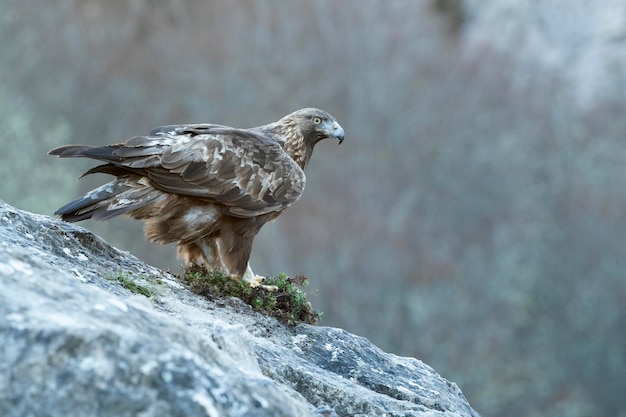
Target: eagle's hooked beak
[(338, 132)]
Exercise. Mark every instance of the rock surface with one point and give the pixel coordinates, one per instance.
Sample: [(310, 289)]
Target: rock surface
[(74, 341)]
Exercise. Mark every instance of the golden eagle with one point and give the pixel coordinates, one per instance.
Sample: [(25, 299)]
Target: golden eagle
[(207, 188)]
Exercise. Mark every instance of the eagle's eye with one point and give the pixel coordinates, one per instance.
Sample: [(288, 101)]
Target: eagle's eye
[(317, 120)]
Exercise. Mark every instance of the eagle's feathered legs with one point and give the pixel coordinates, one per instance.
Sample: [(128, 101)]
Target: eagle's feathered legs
[(235, 251), (227, 254), (212, 256)]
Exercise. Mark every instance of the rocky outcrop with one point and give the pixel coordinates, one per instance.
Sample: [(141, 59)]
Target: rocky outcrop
[(77, 339)]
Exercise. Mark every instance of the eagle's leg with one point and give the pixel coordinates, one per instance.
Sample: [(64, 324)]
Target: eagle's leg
[(212, 254), (228, 254), (235, 250), (205, 252)]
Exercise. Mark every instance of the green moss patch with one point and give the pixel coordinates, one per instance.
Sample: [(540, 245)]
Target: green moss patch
[(130, 283), (288, 303)]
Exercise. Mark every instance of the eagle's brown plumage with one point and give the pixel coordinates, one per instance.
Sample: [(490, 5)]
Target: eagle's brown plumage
[(207, 188)]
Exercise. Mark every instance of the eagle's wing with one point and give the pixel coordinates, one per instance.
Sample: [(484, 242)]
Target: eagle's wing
[(246, 171), (193, 129)]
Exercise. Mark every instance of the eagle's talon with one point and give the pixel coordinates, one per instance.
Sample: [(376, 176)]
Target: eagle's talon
[(256, 281)]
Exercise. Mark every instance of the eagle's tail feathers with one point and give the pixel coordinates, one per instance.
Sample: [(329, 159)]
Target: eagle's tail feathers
[(101, 153), (69, 151), (116, 171), (110, 200)]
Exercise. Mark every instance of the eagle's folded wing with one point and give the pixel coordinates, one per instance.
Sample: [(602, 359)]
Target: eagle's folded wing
[(249, 173)]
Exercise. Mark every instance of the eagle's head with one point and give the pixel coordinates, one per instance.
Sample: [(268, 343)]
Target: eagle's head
[(299, 131), (314, 125)]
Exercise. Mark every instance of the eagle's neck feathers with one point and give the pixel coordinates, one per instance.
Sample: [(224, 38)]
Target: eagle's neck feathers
[(289, 135)]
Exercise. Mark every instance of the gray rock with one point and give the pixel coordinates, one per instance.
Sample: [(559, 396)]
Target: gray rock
[(75, 342)]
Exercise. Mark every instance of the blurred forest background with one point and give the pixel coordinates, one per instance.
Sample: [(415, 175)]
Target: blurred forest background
[(475, 216)]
